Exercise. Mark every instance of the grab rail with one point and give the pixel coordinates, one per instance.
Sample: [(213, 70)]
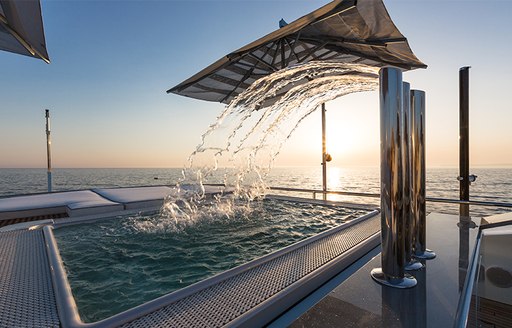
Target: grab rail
[(374, 195), (463, 308), (329, 192)]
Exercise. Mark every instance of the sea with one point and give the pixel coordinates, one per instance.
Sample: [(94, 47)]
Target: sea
[(492, 184)]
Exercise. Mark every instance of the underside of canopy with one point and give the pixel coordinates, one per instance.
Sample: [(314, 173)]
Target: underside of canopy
[(348, 31), (21, 28)]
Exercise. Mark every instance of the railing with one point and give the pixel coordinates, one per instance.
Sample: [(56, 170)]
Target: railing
[(374, 195), (327, 192)]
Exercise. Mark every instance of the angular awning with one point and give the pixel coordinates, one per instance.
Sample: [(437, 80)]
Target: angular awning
[(21, 28), (348, 31)]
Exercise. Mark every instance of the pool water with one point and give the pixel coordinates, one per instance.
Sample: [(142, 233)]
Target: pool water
[(116, 264)]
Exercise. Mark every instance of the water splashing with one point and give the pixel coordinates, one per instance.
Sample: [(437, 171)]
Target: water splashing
[(249, 134)]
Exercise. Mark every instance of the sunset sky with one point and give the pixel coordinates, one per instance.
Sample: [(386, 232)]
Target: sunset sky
[(112, 62)]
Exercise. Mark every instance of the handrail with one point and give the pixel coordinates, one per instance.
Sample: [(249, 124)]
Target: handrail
[(461, 319), (374, 195), (332, 192), (468, 202)]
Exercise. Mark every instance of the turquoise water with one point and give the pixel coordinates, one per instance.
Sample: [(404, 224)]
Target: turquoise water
[(114, 265)]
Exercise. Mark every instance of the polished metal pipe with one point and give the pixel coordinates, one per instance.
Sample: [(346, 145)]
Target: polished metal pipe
[(409, 168), (405, 126), (324, 155), (48, 150), (419, 176), (392, 272)]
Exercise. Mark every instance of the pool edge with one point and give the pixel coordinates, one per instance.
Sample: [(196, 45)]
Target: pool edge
[(68, 311)]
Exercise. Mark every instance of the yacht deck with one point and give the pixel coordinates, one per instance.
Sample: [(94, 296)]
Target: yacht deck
[(35, 293)]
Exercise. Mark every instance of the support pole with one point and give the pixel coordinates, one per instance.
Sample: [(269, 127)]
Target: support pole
[(418, 200), (324, 155), (409, 169), (392, 273), (464, 137), (48, 150), (464, 177)]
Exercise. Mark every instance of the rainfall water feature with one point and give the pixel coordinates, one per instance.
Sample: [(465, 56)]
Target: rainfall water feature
[(250, 132)]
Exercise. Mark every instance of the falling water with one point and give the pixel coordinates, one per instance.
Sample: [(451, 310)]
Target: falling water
[(249, 134)]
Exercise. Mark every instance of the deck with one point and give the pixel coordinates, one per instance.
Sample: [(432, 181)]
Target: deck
[(322, 281)]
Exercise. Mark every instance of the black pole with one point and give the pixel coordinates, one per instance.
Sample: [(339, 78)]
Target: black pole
[(464, 221), (464, 132)]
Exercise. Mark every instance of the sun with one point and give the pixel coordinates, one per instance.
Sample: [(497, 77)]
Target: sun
[(341, 141), (334, 178)]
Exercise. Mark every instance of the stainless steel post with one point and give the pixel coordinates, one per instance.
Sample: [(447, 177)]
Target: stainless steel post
[(392, 272), (419, 176), (408, 170), (324, 155), (48, 150)]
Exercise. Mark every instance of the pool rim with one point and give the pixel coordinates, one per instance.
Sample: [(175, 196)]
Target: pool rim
[(66, 305)]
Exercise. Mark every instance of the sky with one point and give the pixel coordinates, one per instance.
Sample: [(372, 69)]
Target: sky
[(112, 61)]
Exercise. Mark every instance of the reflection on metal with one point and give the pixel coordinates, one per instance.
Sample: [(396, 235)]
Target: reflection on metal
[(407, 156), (405, 308), (48, 150), (324, 155), (392, 272), (465, 224), (418, 180), (419, 301), (413, 265)]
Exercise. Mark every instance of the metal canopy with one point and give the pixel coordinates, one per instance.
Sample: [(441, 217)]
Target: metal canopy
[(21, 28), (349, 31)]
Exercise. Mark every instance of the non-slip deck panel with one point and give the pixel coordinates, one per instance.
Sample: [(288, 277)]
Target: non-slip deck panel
[(220, 304), (26, 293), (7, 222)]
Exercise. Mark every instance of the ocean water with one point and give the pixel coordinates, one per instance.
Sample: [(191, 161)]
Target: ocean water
[(492, 184)]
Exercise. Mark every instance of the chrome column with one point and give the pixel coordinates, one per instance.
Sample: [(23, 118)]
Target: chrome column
[(409, 169), (392, 272), (324, 156), (418, 178), (48, 150)]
